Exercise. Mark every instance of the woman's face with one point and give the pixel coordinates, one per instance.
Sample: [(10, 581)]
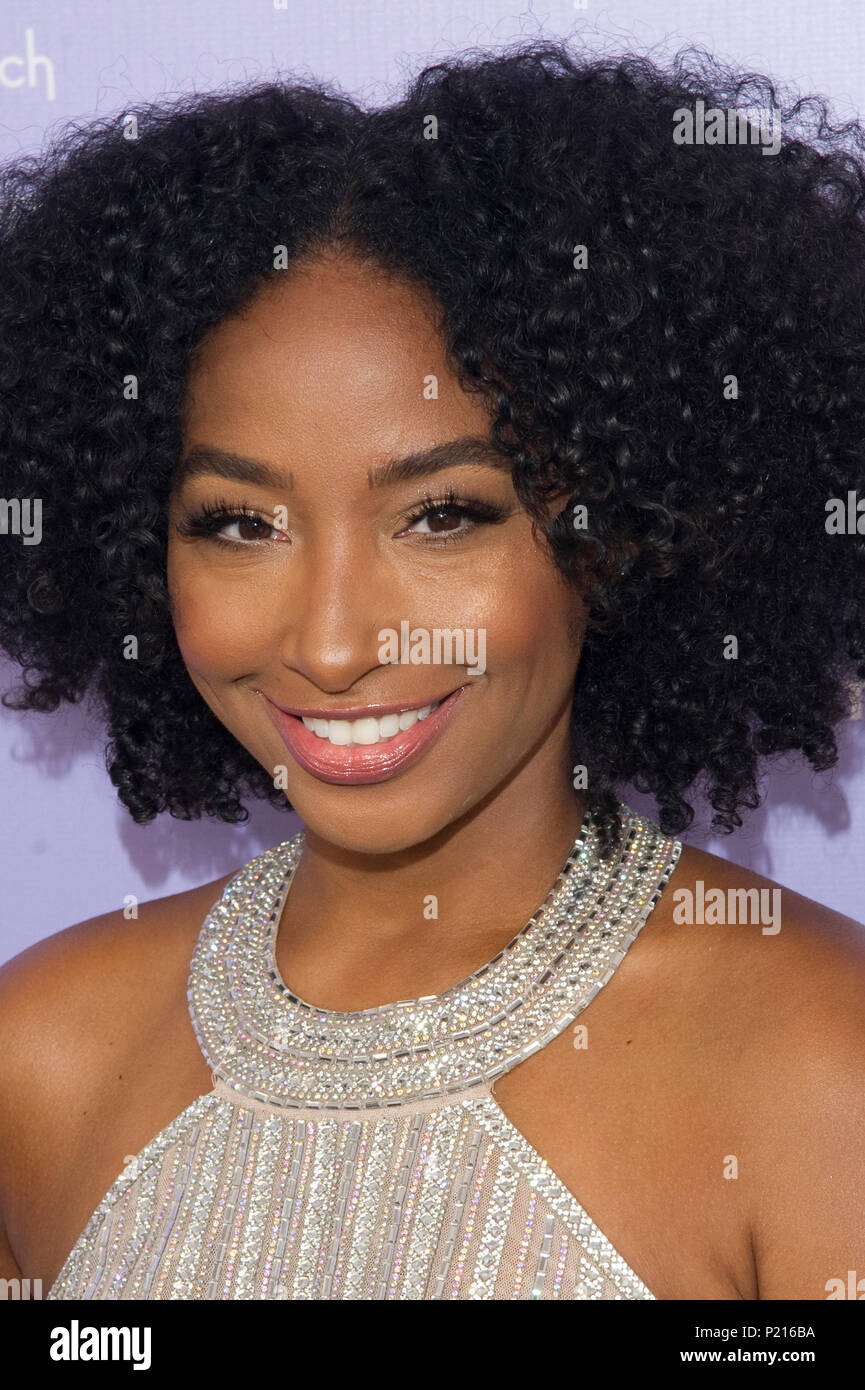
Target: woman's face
[(331, 373)]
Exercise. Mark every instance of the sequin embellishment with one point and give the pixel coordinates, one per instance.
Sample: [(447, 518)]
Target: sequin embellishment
[(361, 1154)]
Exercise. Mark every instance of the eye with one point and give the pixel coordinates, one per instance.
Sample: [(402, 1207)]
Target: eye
[(438, 520), (211, 520), (442, 519), (244, 520)]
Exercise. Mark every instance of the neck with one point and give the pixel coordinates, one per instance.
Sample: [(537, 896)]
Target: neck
[(364, 929)]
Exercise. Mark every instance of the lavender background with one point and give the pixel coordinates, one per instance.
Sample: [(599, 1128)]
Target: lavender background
[(68, 849)]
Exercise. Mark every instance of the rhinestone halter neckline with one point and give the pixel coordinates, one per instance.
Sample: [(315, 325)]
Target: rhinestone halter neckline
[(268, 1044)]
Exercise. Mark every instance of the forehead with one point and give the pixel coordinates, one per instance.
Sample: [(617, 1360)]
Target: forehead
[(326, 329), (335, 359)]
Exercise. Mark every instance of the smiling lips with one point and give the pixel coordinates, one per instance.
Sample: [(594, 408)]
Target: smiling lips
[(367, 748)]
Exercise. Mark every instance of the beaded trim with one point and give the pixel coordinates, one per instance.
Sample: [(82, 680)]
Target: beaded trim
[(83, 1268), (268, 1044), (140, 1165), (601, 1260)]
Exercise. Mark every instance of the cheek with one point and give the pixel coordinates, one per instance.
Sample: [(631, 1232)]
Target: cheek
[(530, 614), (219, 628)]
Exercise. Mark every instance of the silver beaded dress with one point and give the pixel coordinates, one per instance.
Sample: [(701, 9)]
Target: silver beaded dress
[(361, 1155)]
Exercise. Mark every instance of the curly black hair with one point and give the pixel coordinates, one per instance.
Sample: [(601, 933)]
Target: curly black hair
[(695, 379)]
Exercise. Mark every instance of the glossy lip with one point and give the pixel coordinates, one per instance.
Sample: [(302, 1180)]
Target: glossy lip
[(352, 712), (359, 763)]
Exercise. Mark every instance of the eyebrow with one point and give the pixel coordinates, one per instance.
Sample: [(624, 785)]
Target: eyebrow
[(203, 460)]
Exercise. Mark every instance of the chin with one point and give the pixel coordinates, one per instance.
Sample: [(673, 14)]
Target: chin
[(386, 832)]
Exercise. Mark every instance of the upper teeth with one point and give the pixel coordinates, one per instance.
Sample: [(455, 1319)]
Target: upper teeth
[(345, 731)]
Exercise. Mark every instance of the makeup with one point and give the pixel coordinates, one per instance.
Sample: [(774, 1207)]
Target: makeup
[(332, 760)]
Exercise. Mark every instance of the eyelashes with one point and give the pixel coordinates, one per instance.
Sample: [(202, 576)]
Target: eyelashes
[(212, 517), (479, 514)]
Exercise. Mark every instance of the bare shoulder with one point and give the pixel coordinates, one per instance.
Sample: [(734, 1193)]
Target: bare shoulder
[(96, 970), (94, 1035), (782, 956), (64, 996), (775, 989)]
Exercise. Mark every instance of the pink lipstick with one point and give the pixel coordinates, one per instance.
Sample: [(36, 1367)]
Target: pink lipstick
[(358, 762)]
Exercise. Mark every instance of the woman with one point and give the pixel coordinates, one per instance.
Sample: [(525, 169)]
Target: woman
[(434, 470)]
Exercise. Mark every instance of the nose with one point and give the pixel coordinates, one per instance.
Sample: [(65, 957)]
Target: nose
[(342, 593)]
